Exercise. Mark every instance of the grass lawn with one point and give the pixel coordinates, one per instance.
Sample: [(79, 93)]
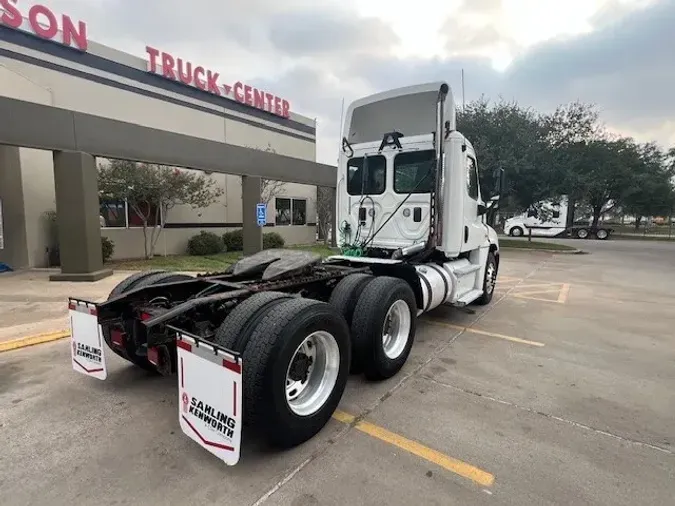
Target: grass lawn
[(523, 244), (208, 263)]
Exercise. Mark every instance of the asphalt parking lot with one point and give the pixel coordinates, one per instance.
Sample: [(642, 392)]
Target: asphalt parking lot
[(559, 392)]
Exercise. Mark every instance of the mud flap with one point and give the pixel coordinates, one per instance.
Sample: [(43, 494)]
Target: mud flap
[(86, 339), (209, 396)]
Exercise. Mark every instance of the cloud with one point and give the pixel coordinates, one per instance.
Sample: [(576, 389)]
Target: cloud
[(615, 53), (627, 68)]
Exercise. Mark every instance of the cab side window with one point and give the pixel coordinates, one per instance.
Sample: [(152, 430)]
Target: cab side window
[(472, 178)]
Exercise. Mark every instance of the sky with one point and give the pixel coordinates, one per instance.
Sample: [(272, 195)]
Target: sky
[(616, 54)]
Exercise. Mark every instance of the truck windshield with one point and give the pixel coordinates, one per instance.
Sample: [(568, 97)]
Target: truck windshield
[(410, 170), (368, 182)]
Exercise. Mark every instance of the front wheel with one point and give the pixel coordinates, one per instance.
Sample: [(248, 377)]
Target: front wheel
[(516, 232), (489, 280), (582, 233)]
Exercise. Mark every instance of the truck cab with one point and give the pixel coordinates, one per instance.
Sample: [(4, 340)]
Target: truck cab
[(408, 194)]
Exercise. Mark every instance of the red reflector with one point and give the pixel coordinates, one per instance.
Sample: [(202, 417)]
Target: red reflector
[(117, 338), (72, 306), (153, 356), (184, 345), (92, 311), (145, 316), (232, 366)]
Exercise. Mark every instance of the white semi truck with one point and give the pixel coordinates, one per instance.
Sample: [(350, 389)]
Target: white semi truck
[(548, 218), (269, 343)]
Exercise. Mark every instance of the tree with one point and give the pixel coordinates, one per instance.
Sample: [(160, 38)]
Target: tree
[(568, 130), (653, 192), (509, 136), (151, 191), (325, 212)]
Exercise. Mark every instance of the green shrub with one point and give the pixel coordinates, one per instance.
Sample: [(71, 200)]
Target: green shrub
[(273, 240), (205, 243), (234, 241), (107, 248)]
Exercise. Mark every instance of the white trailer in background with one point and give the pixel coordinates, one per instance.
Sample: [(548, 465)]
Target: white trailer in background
[(548, 218), (270, 342)]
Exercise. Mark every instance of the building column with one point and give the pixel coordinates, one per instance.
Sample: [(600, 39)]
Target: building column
[(251, 196), (14, 250), (77, 217)]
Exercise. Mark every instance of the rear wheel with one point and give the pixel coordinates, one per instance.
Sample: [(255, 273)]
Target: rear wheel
[(602, 234), (383, 328), (237, 328), (582, 233), (128, 283), (295, 367), (344, 298), (516, 232)]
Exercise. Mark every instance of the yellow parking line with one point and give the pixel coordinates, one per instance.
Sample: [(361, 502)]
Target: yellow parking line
[(22, 342), (440, 459), (485, 333)]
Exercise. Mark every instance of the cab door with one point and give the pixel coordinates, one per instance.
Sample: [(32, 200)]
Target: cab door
[(475, 232)]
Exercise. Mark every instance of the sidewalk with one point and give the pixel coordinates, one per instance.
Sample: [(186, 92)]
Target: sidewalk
[(30, 304)]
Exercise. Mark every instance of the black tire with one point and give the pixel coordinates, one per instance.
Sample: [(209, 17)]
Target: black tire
[(488, 288), (516, 232), (128, 283), (602, 234), (369, 321), (267, 358), (344, 298), (161, 277), (582, 233), (237, 328)]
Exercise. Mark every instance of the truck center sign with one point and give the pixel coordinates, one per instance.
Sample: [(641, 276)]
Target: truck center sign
[(185, 72), (42, 22)]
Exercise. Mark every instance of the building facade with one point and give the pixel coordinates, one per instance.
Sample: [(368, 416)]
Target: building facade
[(50, 60)]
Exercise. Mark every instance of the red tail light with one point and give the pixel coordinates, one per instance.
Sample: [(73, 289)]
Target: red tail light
[(145, 316)]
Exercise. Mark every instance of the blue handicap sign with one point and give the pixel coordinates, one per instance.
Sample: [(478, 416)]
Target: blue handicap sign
[(261, 212)]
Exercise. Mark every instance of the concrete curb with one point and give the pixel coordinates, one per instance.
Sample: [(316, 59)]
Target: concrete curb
[(24, 342)]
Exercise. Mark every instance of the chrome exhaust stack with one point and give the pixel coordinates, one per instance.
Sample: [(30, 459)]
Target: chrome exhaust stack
[(436, 224)]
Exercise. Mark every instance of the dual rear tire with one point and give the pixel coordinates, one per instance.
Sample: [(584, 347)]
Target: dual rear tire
[(296, 356), (297, 352)]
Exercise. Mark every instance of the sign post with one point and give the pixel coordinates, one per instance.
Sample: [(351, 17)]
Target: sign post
[(261, 213)]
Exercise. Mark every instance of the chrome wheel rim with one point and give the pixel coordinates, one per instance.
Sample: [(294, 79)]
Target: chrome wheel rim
[(583, 234), (490, 277), (312, 373), (602, 234), (516, 232), (396, 329)]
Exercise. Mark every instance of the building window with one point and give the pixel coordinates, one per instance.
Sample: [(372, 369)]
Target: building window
[(119, 214), (290, 211)]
